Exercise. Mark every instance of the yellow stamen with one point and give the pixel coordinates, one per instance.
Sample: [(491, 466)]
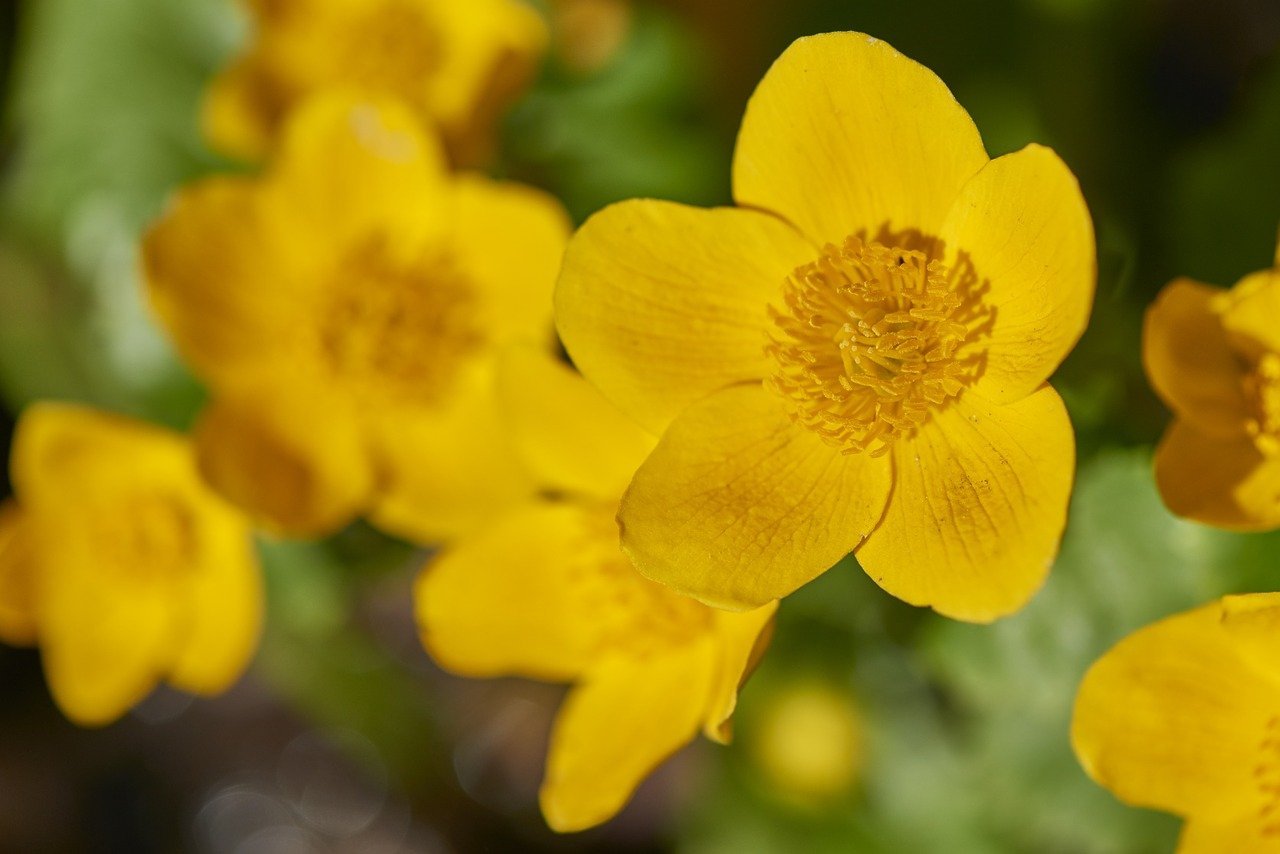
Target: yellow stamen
[(867, 344), (1262, 387)]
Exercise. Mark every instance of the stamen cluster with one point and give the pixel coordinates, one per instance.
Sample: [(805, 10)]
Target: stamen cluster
[(866, 344), (1262, 387)]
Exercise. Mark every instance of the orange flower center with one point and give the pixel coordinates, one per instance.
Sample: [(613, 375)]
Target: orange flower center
[(868, 343), (636, 615), (398, 330), (394, 47), (1262, 387)]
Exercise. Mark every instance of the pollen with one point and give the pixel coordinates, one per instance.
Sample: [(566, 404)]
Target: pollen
[(148, 537), (1262, 388), (398, 329), (395, 46), (869, 343)]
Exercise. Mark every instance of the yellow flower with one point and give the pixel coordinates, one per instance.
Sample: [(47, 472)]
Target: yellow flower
[(1214, 356), (121, 564), (856, 356), (809, 741), (1184, 716), (457, 64), (345, 310), (545, 592)]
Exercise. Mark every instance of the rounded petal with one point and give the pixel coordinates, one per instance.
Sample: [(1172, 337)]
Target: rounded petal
[(447, 471), (1247, 833), (1189, 361), (978, 509), (742, 638), (616, 727), (1253, 622), (845, 134), (1021, 229), (299, 463), (352, 166), (492, 53), (17, 577), (509, 241), (737, 506), (221, 602), (218, 277), (1249, 311), (661, 304), (1227, 483), (511, 599), (105, 637), (570, 438), (1173, 718)]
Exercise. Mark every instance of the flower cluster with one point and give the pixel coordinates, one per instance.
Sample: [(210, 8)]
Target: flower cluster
[(854, 358)]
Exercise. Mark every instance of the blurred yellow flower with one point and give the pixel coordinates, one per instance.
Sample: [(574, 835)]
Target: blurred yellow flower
[(1214, 357), (809, 741), (457, 64), (1184, 716), (121, 564), (345, 310), (855, 357), (545, 592)]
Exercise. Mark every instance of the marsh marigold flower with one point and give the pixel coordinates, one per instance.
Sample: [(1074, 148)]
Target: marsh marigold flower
[(1213, 355), (1184, 716), (457, 64), (856, 357), (345, 310), (545, 592), (121, 564)]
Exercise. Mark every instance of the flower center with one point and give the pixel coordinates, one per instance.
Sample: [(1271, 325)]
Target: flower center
[(149, 538), (398, 330), (1262, 388), (867, 343), (636, 615), (394, 47)]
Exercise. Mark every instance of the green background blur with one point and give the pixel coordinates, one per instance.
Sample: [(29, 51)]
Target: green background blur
[(345, 738)]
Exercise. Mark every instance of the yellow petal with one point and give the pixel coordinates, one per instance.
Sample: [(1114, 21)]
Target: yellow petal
[(17, 577), (296, 461), (221, 600), (742, 639), (352, 166), (447, 471), (219, 280), (571, 439), (978, 508), (1226, 483), (737, 506), (616, 727), (492, 52), (1023, 226), (238, 115), (1189, 361), (509, 241), (1249, 312), (846, 134), (512, 598), (660, 304), (1253, 622), (1250, 834), (1173, 718), (105, 635)]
